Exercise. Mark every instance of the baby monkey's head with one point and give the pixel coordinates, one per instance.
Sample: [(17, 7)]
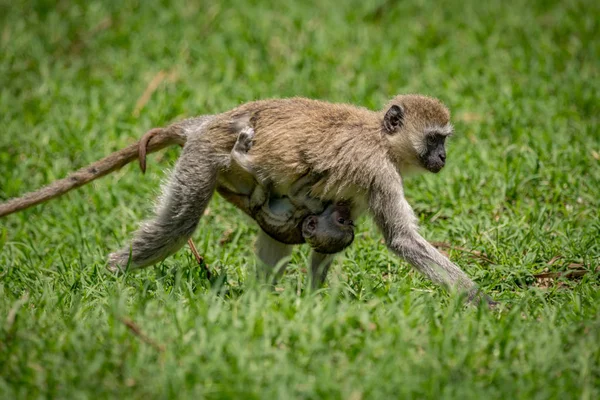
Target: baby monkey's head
[(331, 231)]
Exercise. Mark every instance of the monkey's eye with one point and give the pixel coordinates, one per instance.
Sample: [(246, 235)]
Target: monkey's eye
[(341, 221)]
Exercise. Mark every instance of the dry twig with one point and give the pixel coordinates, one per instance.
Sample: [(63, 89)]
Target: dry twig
[(151, 88), (135, 329), (199, 258)]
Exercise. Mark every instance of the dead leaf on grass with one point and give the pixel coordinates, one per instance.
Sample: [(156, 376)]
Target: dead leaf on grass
[(547, 279)]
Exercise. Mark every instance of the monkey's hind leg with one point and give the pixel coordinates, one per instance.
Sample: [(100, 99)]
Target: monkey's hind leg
[(183, 201), (273, 257)]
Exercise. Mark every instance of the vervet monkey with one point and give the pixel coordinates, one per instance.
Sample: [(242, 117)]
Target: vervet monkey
[(359, 156)]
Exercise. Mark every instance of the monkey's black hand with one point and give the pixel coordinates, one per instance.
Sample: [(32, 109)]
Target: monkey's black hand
[(476, 297), (244, 141)]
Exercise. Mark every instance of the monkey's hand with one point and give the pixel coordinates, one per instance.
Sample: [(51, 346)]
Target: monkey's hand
[(475, 297), (244, 141), (239, 153)]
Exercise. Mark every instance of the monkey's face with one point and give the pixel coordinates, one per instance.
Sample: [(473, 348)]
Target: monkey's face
[(433, 158), (330, 232), (416, 128)]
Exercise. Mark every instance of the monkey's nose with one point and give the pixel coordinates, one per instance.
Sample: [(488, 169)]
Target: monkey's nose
[(443, 158)]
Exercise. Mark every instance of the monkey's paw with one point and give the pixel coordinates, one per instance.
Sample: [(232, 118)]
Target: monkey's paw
[(244, 140), (114, 264), (476, 297)]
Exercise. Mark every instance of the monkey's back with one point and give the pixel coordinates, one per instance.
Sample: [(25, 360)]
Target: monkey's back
[(296, 136)]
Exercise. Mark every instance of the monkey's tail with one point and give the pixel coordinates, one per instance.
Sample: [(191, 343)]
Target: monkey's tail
[(176, 135), (154, 140)]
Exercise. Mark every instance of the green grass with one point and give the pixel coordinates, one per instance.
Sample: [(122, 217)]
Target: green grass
[(522, 187)]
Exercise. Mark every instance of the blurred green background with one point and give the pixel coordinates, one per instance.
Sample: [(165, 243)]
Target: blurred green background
[(80, 79)]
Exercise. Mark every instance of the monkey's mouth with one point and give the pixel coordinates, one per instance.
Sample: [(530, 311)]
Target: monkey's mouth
[(431, 164), (345, 223), (435, 168), (346, 228)]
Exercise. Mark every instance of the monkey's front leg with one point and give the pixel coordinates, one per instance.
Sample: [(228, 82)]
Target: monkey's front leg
[(183, 201), (273, 256), (396, 220)]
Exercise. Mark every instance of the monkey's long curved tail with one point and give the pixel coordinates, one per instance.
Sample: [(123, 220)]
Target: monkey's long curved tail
[(154, 140)]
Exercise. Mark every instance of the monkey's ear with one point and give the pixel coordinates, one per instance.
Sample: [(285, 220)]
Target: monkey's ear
[(309, 226), (312, 224), (394, 118)]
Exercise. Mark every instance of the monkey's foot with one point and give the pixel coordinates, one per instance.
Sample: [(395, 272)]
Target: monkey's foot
[(114, 264), (114, 269), (244, 140)]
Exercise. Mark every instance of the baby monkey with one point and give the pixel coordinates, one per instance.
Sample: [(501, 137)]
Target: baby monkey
[(293, 219)]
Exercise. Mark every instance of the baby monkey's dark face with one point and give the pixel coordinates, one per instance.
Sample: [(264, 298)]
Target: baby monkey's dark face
[(433, 158), (331, 231)]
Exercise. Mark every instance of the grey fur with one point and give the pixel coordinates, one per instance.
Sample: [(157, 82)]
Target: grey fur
[(185, 198)]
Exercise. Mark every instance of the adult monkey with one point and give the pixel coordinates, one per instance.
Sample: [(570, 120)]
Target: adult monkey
[(358, 155)]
